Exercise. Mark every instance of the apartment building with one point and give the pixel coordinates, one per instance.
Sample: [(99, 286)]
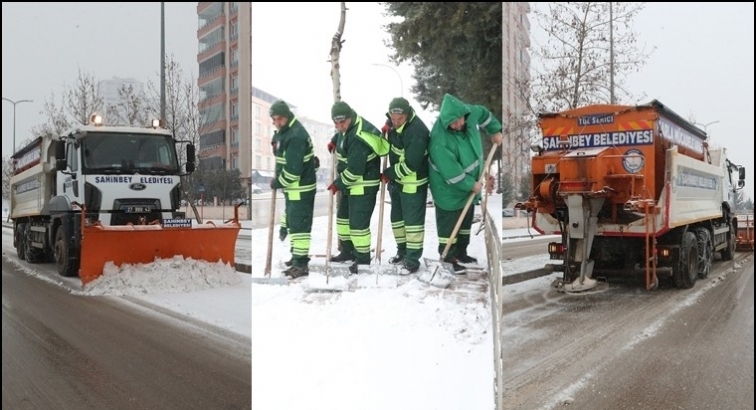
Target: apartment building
[(225, 83), (516, 93), (263, 159)]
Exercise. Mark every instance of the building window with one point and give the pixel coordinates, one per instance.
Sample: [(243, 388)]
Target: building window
[(268, 161), (234, 83), (234, 110), (258, 128), (258, 161), (234, 57), (234, 30), (234, 162), (257, 112), (235, 134), (257, 144)]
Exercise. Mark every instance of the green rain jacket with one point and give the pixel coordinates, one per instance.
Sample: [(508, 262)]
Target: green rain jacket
[(358, 153), (456, 157), (409, 153), (295, 160)]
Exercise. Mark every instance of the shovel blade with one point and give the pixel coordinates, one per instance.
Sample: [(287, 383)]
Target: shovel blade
[(438, 273), (266, 280)]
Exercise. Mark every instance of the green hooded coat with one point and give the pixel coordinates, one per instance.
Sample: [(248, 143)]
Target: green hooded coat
[(456, 157)]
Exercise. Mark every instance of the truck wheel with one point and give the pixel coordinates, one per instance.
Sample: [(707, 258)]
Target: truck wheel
[(33, 255), (686, 269), (20, 242), (728, 253), (68, 265), (705, 252)]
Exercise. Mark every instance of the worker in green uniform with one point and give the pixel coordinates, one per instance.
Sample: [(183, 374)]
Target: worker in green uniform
[(407, 178), (359, 147), (456, 164), (295, 174)]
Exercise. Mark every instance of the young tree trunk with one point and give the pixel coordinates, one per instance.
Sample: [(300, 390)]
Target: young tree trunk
[(336, 43)]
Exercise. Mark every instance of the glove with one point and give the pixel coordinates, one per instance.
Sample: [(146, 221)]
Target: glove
[(386, 128), (386, 180), (333, 188), (282, 233), (331, 147)]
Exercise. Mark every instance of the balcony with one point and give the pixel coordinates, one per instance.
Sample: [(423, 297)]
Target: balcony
[(211, 50)]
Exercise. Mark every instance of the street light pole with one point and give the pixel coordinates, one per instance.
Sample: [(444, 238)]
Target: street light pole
[(14, 117), (162, 63), (706, 126), (401, 83)]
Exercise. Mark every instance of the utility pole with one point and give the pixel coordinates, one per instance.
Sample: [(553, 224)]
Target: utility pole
[(611, 55), (162, 64)]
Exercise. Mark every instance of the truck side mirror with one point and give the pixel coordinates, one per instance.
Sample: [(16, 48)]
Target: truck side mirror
[(60, 156), (190, 157), (741, 173)]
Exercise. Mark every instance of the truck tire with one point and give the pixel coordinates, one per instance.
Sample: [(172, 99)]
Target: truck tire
[(67, 264), (33, 255), (728, 253), (705, 252), (685, 272), (20, 242)]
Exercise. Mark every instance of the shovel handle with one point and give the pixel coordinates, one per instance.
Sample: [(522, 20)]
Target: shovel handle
[(269, 257)]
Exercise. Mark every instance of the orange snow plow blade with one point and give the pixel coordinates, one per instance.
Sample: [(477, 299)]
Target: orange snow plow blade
[(745, 234), (144, 243)]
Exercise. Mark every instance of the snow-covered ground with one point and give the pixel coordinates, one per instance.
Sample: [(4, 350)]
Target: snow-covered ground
[(377, 347), (397, 345)]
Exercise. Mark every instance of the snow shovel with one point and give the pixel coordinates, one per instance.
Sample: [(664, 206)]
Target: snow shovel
[(315, 284), (445, 270), (376, 263), (266, 279)]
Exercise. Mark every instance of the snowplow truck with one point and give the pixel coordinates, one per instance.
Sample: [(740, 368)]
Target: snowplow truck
[(631, 189), (100, 194)]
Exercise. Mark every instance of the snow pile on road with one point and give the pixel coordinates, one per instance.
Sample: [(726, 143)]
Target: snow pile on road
[(174, 275)]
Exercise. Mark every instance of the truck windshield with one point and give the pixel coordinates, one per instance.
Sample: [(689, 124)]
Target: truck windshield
[(128, 153)]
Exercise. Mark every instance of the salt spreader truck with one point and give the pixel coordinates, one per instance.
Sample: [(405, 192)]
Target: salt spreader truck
[(632, 189)]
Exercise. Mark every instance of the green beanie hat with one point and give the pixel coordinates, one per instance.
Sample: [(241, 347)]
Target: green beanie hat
[(340, 111), (399, 105), (281, 108)]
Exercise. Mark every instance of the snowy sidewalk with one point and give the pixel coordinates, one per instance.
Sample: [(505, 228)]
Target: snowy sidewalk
[(405, 347)]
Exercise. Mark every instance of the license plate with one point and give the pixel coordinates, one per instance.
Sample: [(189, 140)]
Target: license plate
[(137, 209)]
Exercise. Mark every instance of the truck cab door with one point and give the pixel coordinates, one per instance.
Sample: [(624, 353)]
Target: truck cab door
[(70, 184)]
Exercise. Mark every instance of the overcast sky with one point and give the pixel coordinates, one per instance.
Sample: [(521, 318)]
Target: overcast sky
[(291, 46), (45, 44), (702, 66)]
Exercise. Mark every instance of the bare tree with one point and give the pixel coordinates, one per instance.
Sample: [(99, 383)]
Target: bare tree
[(336, 44), (7, 173), (56, 120), (184, 116), (131, 109), (84, 98), (588, 53)]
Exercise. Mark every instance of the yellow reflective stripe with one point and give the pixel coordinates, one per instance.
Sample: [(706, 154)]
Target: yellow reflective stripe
[(397, 151)]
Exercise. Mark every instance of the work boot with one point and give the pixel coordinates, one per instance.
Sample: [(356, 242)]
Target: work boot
[(396, 259), (467, 259), (359, 259), (342, 257), (458, 269), (289, 263), (408, 268), (297, 272)]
